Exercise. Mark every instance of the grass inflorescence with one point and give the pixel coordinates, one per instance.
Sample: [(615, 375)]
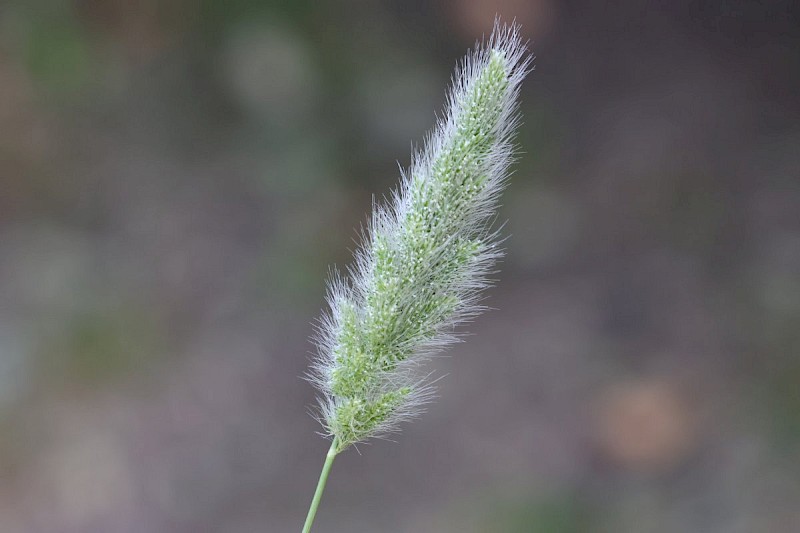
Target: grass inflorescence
[(424, 260)]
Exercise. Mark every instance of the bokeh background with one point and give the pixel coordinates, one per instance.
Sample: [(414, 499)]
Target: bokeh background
[(176, 177)]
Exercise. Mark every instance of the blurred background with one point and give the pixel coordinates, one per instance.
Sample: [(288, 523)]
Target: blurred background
[(176, 177)]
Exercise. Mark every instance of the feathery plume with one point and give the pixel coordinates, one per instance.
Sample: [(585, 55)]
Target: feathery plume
[(425, 255)]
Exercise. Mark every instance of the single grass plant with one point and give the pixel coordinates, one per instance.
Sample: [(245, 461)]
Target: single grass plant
[(424, 260)]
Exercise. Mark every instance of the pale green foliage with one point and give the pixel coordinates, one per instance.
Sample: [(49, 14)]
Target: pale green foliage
[(425, 257)]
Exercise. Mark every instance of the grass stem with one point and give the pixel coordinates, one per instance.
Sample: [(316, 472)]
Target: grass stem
[(323, 478)]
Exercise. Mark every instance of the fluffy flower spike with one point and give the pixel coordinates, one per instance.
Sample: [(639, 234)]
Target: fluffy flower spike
[(425, 255)]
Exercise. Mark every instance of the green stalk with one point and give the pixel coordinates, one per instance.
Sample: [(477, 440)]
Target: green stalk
[(323, 478)]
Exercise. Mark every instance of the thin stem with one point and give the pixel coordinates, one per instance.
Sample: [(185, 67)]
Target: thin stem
[(323, 478)]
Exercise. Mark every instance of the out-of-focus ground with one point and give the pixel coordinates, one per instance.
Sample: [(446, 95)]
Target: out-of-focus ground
[(176, 177)]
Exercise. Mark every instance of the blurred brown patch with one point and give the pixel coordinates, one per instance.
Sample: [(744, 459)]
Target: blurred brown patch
[(142, 29), (644, 425), (476, 17)]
